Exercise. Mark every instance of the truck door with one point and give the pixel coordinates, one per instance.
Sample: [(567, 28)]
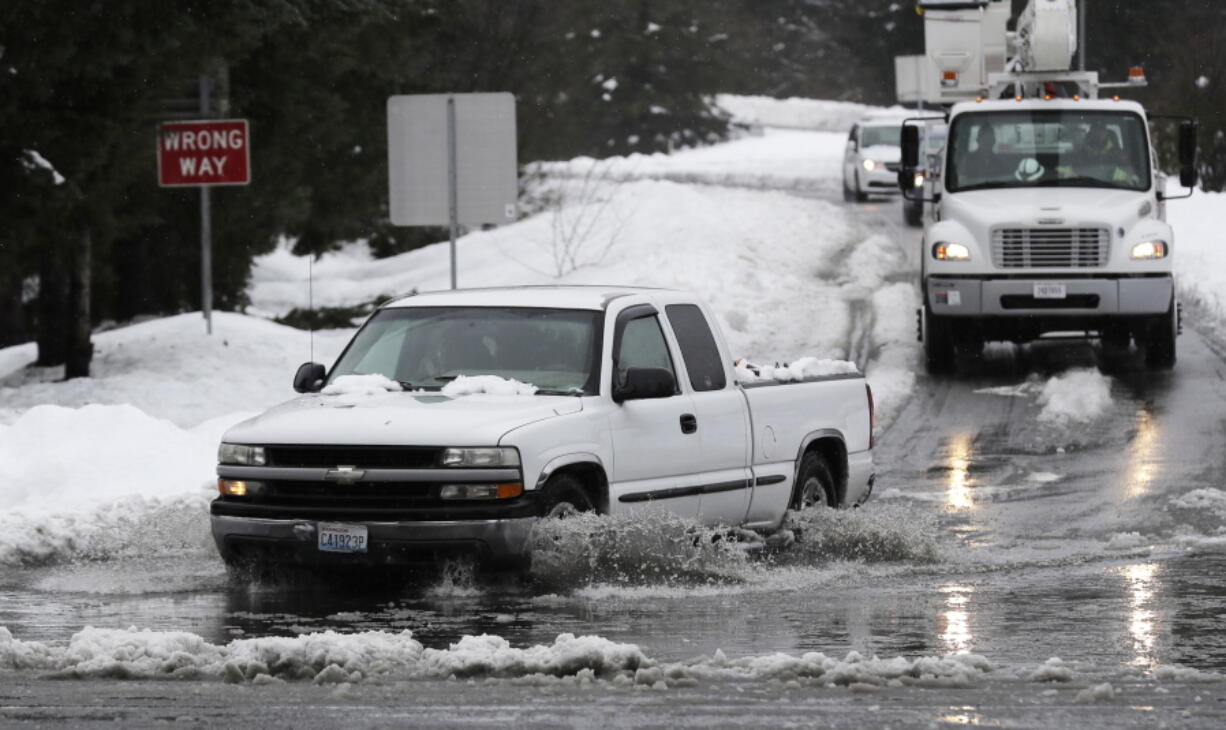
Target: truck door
[(721, 418), (656, 456)]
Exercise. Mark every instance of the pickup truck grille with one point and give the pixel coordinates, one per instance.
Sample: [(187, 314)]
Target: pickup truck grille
[(1050, 248), (363, 457), (383, 495)]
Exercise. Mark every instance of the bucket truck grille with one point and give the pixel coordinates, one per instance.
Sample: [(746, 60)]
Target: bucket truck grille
[(1050, 248)]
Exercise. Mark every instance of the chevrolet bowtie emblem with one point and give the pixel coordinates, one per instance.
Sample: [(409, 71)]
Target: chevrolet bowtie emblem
[(344, 474)]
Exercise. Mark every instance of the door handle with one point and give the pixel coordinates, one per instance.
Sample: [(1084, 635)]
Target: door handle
[(689, 424)]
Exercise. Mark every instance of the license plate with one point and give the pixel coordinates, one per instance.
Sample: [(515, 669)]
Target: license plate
[(1049, 290), (335, 537)]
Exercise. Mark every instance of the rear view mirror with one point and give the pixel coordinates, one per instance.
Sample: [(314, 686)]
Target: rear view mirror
[(643, 383), (1187, 154), (309, 378)]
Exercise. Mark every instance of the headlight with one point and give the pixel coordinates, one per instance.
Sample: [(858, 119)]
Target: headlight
[(946, 251), (480, 491), (919, 180), (484, 456), (1149, 250), (869, 165), (240, 454)]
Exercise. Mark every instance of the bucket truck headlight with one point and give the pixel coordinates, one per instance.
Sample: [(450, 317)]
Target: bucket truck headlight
[(947, 251), (1149, 250)]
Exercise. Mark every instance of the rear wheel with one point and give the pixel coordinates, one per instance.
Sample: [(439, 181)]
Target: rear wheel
[(814, 483), (1160, 341), (938, 344), (913, 212)]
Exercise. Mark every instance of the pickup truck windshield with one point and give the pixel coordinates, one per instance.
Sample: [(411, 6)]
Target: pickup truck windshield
[(556, 350), (1048, 148)]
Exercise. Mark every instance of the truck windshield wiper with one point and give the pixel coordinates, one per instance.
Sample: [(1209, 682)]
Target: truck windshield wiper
[(1084, 182), (414, 386), (568, 391)]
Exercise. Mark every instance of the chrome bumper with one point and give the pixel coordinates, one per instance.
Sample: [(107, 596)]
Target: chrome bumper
[(390, 543)]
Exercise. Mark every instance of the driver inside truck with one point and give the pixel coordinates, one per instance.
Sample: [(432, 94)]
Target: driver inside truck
[(1102, 158), (983, 163)]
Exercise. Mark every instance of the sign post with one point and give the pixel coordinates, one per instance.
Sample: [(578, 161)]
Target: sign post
[(204, 154), (469, 140)]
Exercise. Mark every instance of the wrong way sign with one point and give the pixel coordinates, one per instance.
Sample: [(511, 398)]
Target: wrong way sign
[(214, 152)]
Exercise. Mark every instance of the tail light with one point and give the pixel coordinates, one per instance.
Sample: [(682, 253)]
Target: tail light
[(872, 417)]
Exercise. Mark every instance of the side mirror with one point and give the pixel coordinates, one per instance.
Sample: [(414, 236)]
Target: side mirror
[(1187, 154), (309, 378), (643, 383), (910, 144)]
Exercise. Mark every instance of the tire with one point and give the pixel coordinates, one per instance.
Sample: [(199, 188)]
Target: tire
[(913, 213), (1160, 341), (938, 345), (563, 496), (849, 195), (861, 196), (814, 483)]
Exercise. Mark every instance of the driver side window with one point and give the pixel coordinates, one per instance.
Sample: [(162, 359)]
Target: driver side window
[(643, 346)]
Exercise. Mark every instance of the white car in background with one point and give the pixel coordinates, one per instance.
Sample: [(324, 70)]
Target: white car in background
[(871, 160)]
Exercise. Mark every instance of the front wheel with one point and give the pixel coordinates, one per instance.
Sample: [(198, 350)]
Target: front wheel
[(565, 496), (1160, 341), (938, 344), (814, 483)]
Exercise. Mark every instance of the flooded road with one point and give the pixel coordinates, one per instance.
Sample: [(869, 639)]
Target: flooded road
[(1019, 566)]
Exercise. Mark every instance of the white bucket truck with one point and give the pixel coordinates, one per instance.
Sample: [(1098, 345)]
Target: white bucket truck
[(1045, 211)]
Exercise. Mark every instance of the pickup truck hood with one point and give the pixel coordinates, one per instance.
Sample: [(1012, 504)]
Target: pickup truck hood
[(391, 419)]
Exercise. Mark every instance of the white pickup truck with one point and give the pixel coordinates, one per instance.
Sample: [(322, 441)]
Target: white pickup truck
[(634, 406)]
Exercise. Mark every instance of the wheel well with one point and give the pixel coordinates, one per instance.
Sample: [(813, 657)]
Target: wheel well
[(834, 452), (594, 482)]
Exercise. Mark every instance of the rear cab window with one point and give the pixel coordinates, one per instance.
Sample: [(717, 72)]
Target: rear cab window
[(698, 349)]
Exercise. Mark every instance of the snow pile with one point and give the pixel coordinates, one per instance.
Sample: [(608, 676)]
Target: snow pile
[(1177, 673), (360, 385), (1200, 256), (1203, 510), (817, 114), (1097, 693), (490, 384), (1052, 670), (169, 368), (1076, 396), (332, 658), (1126, 541), (873, 534), (68, 492), (802, 369)]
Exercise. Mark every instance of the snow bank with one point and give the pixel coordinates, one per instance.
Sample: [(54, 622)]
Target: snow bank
[(169, 368), (491, 384), (805, 367), (330, 658), (1200, 253), (817, 114), (1076, 396), (69, 486), (359, 385)]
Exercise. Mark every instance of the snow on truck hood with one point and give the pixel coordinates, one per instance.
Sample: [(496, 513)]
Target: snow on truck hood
[(1074, 204), (399, 419)]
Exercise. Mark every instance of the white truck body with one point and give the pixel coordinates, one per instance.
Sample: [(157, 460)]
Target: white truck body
[(714, 449), (1046, 207)]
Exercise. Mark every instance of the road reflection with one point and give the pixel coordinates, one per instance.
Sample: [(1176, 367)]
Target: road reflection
[(956, 636), (958, 487), (1142, 618), (1143, 456)]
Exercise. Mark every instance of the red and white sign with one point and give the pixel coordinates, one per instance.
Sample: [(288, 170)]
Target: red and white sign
[(204, 153)]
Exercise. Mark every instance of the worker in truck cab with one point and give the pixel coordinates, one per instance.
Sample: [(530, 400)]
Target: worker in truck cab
[(1102, 158)]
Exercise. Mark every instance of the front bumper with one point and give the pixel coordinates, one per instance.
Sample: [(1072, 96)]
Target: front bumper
[(970, 296), (880, 181), (390, 543)]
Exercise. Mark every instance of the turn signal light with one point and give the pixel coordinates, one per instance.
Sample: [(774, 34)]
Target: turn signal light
[(238, 487)]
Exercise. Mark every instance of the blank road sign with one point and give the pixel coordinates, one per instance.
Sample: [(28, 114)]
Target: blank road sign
[(486, 159)]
